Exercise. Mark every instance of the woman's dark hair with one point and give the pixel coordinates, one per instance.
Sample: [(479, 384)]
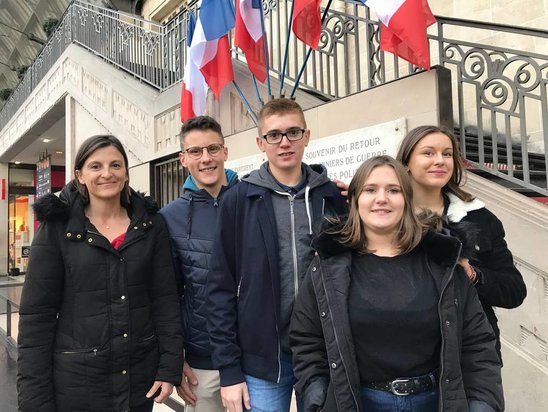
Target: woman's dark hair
[(457, 178), (90, 146)]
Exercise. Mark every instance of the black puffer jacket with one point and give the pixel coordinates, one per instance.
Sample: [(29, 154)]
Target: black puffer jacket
[(499, 282), (324, 357), (97, 326)]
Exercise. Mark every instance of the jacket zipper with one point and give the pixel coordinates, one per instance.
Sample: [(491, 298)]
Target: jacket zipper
[(294, 245), (70, 352), (442, 363), (320, 267), (279, 353)]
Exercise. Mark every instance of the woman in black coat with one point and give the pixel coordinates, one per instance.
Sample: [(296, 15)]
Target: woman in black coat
[(386, 320), (435, 166), (99, 320)]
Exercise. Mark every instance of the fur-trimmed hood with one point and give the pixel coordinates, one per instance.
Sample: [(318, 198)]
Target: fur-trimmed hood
[(444, 247), (69, 205), (458, 208)]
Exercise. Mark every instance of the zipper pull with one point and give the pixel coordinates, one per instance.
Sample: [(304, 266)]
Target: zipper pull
[(94, 352)]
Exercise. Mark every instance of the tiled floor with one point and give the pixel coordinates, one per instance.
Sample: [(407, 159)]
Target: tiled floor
[(8, 374)]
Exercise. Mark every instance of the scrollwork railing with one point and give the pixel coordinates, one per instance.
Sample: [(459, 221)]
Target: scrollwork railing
[(500, 99)]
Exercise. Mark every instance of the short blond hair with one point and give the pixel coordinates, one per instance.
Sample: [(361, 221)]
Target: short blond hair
[(279, 106)]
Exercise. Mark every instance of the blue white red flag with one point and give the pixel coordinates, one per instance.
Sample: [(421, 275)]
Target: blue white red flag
[(307, 22), (210, 48), (403, 28), (249, 36), (194, 87)]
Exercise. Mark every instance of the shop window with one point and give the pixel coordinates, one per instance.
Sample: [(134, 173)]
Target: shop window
[(21, 221)]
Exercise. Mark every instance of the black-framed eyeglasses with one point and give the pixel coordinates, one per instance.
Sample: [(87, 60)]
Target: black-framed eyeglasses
[(291, 134), (196, 152)]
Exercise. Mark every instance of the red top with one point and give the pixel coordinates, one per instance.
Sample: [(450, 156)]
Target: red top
[(118, 241)]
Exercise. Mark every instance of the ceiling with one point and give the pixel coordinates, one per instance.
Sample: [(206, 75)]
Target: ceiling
[(20, 19)]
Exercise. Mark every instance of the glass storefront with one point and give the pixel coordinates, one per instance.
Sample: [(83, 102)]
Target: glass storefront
[(21, 222), (20, 216)]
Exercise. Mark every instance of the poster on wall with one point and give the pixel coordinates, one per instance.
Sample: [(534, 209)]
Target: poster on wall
[(342, 153), (43, 176)]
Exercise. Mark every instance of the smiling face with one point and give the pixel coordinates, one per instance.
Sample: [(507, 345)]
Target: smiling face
[(104, 173), (284, 157), (431, 162), (381, 202), (209, 170)]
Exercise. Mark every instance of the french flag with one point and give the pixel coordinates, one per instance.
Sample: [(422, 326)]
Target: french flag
[(194, 89), (249, 36), (210, 48), (403, 28), (307, 22)]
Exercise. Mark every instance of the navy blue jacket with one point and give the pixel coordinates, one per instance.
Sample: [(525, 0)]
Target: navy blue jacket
[(244, 281), (191, 221)]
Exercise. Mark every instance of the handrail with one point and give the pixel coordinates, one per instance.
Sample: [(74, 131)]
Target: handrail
[(492, 26)]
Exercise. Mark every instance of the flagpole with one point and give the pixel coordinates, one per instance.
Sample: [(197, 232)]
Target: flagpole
[(301, 71), (265, 51), (259, 99), (286, 54), (247, 105)]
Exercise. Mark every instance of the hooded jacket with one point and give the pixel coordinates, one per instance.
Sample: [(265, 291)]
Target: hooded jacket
[(191, 221), (499, 282), (293, 219), (244, 282), (324, 357), (97, 326)]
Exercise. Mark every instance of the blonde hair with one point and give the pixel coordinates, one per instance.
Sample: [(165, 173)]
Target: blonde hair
[(280, 106)]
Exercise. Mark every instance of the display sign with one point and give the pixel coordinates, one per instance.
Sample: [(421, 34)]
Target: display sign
[(343, 153), (25, 251), (43, 176)]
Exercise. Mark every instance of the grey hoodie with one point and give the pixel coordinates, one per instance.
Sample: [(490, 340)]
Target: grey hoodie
[(293, 215)]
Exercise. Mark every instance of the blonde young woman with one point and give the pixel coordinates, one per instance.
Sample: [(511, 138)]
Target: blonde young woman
[(436, 169), (386, 320), (99, 321)]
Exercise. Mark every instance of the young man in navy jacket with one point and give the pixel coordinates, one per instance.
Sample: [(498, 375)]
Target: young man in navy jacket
[(192, 220), (262, 250)]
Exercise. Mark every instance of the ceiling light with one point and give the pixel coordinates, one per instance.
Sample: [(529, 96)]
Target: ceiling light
[(46, 140), (58, 152), (17, 162)]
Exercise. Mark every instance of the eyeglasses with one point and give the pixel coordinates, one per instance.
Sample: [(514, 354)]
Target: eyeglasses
[(291, 134), (196, 152)]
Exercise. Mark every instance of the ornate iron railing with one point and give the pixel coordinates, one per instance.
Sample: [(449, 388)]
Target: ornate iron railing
[(500, 97), (494, 85)]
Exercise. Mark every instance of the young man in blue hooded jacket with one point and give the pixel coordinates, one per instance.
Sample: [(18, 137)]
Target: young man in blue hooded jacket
[(192, 220)]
